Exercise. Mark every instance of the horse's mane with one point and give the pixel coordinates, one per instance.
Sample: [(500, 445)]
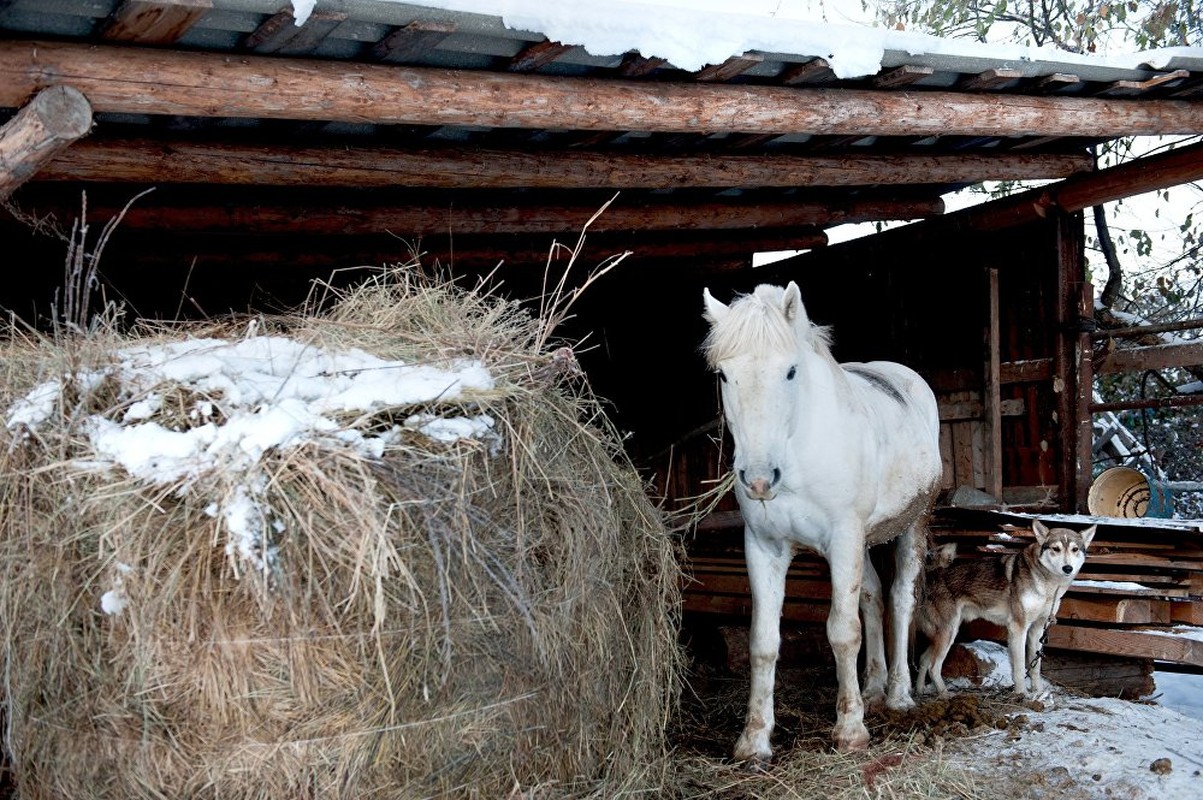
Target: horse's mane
[(755, 322)]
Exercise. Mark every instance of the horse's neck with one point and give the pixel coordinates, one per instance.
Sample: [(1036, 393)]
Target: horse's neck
[(826, 391)]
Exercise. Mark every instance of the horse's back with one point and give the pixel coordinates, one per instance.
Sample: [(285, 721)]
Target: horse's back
[(904, 439)]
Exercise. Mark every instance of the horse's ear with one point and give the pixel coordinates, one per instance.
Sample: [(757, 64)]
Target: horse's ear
[(715, 309), (791, 304)]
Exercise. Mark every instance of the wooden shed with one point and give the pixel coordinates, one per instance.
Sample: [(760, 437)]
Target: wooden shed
[(246, 155)]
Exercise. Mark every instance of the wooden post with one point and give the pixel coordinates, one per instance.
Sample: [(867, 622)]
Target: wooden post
[(991, 399), (55, 118)]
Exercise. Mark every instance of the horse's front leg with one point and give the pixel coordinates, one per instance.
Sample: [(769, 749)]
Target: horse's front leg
[(844, 634), (908, 560), (767, 563)]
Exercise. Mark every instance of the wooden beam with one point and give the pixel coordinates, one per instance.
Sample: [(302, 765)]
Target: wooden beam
[(204, 84), (1160, 356), (142, 161), (991, 391), (55, 118), (1124, 610), (1180, 649), (1146, 174), (770, 223), (1179, 401)]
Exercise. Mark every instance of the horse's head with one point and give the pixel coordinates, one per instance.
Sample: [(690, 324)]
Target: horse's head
[(754, 346)]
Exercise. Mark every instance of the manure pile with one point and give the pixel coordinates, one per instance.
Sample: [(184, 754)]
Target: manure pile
[(388, 549)]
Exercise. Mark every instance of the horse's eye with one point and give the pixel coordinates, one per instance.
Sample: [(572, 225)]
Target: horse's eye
[(789, 376), (722, 376)]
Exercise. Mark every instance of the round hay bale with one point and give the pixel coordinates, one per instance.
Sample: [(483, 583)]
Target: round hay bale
[(462, 591)]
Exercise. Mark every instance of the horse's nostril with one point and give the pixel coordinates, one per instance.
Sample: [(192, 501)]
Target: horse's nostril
[(776, 475), (1067, 569), (743, 477)]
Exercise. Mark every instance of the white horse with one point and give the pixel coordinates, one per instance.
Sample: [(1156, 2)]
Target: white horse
[(836, 458)]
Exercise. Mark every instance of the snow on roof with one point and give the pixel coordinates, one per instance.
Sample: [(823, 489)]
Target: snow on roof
[(691, 34)]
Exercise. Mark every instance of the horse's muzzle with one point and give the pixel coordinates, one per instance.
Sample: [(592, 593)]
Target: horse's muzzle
[(760, 488)]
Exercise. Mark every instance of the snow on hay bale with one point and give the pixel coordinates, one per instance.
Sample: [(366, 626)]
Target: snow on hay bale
[(391, 549)]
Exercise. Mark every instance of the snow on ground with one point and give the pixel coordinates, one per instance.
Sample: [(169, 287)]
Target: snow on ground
[(1087, 747)]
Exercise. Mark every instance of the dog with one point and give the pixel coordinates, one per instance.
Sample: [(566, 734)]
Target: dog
[(1020, 591)]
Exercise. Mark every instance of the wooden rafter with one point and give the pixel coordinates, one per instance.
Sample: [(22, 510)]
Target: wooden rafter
[(783, 220), (280, 33), (203, 84), (410, 42), (182, 162), (153, 21)]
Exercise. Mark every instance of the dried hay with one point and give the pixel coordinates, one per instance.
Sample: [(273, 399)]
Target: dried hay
[(916, 754), (489, 617)]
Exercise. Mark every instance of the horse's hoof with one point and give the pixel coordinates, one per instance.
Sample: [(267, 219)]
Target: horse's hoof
[(900, 701), (855, 738), (747, 750), (754, 765), (874, 703)]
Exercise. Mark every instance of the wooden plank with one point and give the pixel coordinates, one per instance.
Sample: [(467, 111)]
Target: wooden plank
[(51, 121), (1188, 613), (636, 66), (537, 55), (1125, 610), (732, 67), (901, 76), (153, 22), (1133, 88), (207, 84), (1140, 644), (815, 71), (280, 33), (410, 42), (741, 606), (990, 80), (213, 162)]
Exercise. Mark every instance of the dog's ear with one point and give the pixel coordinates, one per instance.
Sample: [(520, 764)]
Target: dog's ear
[(1088, 535), (942, 556), (1041, 531)]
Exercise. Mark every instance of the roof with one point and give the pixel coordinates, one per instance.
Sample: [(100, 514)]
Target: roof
[(416, 110)]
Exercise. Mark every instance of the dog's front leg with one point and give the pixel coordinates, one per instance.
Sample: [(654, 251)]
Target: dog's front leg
[(1034, 656), (1017, 640)]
